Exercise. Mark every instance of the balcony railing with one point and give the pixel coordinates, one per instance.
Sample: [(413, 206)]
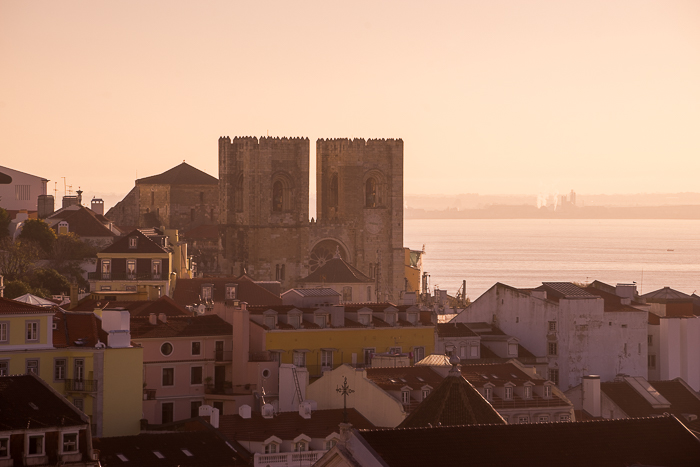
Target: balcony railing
[(81, 385), (124, 276), (288, 459), (223, 355)]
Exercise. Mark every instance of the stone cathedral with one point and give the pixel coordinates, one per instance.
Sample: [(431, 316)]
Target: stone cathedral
[(264, 217)]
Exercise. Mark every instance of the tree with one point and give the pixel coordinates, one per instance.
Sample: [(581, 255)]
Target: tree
[(67, 256), (40, 232), (4, 223), (14, 289), (17, 258), (50, 280)]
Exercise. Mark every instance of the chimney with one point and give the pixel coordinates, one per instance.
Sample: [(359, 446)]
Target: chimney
[(305, 409), (267, 411), (73, 296), (98, 206), (212, 413), (590, 395), (244, 411), (152, 319), (80, 196), (163, 317)]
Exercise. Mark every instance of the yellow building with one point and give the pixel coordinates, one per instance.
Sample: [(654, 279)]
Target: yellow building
[(413, 269), (97, 370), (324, 338)]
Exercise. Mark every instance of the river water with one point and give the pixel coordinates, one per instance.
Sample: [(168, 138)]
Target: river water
[(526, 252)]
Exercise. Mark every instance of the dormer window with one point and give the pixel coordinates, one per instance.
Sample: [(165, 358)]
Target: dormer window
[(330, 443), (231, 291), (364, 319), (207, 292), (513, 349), (133, 243), (547, 391), (425, 393), (301, 446), (321, 320), (35, 445), (271, 448), (271, 321), (390, 318), (528, 392), (508, 392), (405, 396), (294, 321), (488, 393), (474, 350), (70, 442), (412, 318)]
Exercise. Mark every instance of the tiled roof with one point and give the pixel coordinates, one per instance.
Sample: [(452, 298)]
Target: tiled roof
[(77, 329), (565, 290), (27, 403), (485, 329), (183, 174), (454, 402), (288, 425), (337, 271), (143, 245), (81, 221), (454, 330), (611, 302), (682, 399), (315, 292), (133, 306), (606, 443), (203, 232), (165, 305), (375, 307), (205, 448), (11, 307), (180, 326), (188, 291), (667, 295), (393, 379)]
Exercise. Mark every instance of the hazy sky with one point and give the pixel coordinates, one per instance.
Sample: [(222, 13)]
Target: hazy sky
[(488, 96)]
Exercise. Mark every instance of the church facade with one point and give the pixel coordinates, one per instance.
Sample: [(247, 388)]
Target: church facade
[(264, 215)]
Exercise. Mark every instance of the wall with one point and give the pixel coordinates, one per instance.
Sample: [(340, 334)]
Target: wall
[(8, 194), (122, 391)]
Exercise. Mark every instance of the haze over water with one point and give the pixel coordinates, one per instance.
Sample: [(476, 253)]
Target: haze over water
[(526, 252)]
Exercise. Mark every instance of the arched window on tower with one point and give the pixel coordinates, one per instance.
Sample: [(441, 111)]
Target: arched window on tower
[(371, 199), (333, 198), (278, 196)]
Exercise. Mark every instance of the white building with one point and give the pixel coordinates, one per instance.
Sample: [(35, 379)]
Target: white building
[(19, 190), (674, 348), (580, 331)]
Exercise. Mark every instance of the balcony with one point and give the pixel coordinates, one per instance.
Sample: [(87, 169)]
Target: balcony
[(223, 355), (288, 459), (124, 276), (81, 385)]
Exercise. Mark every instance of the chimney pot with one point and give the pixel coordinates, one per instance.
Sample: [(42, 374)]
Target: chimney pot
[(163, 317), (152, 318)]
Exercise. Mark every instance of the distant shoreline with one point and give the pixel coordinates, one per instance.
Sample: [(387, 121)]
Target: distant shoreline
[(688, 212)]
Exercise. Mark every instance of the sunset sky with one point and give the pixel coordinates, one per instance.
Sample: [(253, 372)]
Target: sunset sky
[(488, 96)]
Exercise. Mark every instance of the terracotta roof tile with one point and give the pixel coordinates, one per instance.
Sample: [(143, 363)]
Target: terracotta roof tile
[(143, 245), (81, 221), (180, 326), (78, 329), (454, 330), (393, 379), (188, 291), (12, 307)]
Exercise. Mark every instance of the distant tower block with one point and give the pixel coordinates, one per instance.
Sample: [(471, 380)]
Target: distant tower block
[(98, 206), (45, 206)]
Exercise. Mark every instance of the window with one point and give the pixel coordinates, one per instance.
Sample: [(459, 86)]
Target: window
[(523, 419), (131, 268), (554, 376), (130, 288), (231, 291), (369, 293), (320, 320), (425, 393), (405, 397), (474, 351), (326, 360), (79, 404), (4, 367), (35, 445), (22, 192), (551, 348), (371, 198), (395, 350), (168, 376), (33, 366), (552, 326), (278, 196), (650, 340), (488, 394), (32, 331), (156, 268), (270, 322), (368, 352), (364, 319), (194, 408), (508, 392), (547, 391), (4, 447), (4, 333), (294, 321), (78, 369), (219, 405), (271, 448), (528, 392), (196, 348), (166, 349), (300, 446), (651, 362), (166, 412), (196, 375), (106, 269), (565, 418), (347, 294), (542, 419), (207, 292), (418, 354), (59, 369), (133, 243), (512, 349), (330, 443), (300, 359), (70, 442)]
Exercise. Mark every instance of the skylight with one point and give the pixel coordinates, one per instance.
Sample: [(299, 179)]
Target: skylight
[(187, 453), (419, 378), (159, 455), (122, 458)]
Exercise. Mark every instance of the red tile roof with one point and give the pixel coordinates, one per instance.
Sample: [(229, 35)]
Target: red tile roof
[(143, 245), (180, 326), (393, 379), (336, 271), (454, 330), (82, 222), (188, 291), (81, 329), (11, 307), (288, 425)]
